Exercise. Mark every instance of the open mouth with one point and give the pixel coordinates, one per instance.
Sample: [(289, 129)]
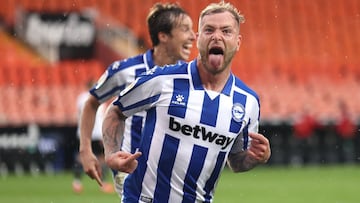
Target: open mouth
[(216, 51), (187, 46), (216, 56)]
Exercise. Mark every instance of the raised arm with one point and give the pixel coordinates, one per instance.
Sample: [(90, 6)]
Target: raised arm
[(113, 129), (258, 153)]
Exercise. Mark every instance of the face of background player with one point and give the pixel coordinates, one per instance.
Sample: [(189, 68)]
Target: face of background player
[(180, 40)]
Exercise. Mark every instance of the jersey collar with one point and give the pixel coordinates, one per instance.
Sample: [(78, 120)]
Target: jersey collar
[(197, 82), (149, 61)]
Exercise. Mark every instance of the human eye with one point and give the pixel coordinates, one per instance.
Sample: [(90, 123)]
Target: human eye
[(227, 31), (184, 28), (208, 30)]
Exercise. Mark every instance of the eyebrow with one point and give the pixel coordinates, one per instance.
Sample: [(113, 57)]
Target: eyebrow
[(222, 27)]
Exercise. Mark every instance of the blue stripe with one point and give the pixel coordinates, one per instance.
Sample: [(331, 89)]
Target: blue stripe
[(179, 99), (165, 167), (107, 94), (210, 183), (235, 126), (244, 87), (149, 59), (136, 125), (148, 100), (228, 86), (246, 136), (193, 173), (139, 71), (134, 180), (210, 110), (196, 77)]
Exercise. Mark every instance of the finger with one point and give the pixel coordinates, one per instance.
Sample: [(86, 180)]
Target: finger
[(131, 162), (255, 136), (258, 137), (98, 179), (134, 156), (98, 174), (254, 154), (259, 152), (98, 170), (259, 148)]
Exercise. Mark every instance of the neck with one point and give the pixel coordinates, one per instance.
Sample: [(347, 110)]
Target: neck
[(161, 57), (213, 81)]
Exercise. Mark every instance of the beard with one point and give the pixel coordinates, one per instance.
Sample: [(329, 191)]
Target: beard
[(227, 58)]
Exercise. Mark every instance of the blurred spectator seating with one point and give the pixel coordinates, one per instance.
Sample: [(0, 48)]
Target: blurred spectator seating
[(293, 53)]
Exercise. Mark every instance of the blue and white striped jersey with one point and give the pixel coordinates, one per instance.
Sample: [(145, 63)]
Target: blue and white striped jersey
[(188, 133), (117, 76)]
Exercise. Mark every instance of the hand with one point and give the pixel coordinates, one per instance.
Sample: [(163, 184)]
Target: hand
[(91, 166), (259, 148), (123, 161)]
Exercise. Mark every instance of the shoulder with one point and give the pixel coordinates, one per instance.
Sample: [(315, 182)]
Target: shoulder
[(240, 85), (126, 63), (157, 76), (174, 69)]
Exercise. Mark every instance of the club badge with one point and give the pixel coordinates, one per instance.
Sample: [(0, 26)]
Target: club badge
[(238, 112)]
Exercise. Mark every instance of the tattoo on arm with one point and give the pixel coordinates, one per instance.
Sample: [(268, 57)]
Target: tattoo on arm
[(240, 162), (113, 129)]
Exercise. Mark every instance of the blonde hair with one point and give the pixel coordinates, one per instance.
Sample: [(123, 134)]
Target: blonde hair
[(222, 7)]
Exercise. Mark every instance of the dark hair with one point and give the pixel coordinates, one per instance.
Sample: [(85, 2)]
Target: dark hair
[(163, 18)]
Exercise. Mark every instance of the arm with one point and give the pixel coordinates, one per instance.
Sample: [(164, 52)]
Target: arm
[(113, 129), (258, 153), (87, 157)]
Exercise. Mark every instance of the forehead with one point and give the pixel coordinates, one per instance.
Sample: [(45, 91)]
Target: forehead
[(218, 19), (183, 20)]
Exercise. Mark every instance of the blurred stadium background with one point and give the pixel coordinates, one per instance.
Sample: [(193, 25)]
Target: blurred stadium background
[(302, 57)]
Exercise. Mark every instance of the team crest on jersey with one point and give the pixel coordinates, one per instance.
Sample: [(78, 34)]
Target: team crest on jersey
[(238, 112), (101, 80)]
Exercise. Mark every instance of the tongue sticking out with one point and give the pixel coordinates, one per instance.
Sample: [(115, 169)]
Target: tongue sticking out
[(216, 59)]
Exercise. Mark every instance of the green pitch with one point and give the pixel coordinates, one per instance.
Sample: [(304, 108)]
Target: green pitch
[(325, 184)]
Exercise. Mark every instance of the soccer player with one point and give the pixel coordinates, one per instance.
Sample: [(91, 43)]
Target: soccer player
[(172, 36), (199, 115)]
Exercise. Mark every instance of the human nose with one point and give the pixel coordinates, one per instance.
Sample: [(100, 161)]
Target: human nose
[(192, 35), (216, 35)]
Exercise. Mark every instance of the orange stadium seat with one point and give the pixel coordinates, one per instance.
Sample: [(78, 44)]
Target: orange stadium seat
[(12, 110), (54, 76), (41, 76), (57, 107), (40, 105), (3, 78), (69, 73), (301, 49)]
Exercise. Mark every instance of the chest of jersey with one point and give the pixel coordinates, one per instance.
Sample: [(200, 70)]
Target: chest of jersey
[(208, 119)]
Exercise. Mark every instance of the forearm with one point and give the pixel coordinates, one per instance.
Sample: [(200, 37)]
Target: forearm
[(113, 129), (241, 162), (87, 121)]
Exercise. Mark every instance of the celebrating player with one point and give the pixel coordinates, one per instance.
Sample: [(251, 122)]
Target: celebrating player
[(198, 116), (172, 36)]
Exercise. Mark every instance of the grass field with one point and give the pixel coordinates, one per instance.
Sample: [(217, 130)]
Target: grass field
[(326, 184)]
